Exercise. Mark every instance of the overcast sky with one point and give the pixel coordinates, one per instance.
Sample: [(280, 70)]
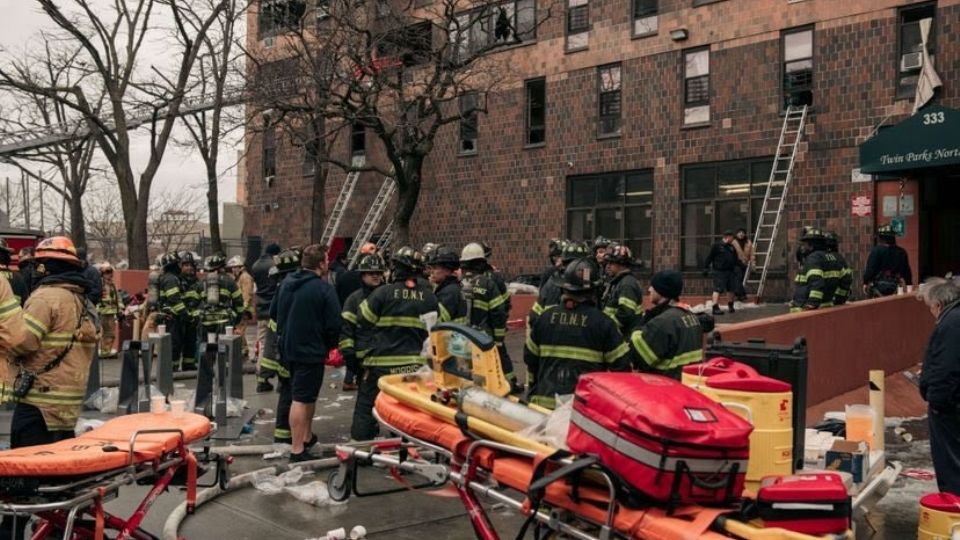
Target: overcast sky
[(181, 168)]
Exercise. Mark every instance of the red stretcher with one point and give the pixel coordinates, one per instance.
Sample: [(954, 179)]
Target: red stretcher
[(65, 484), (442, 453)]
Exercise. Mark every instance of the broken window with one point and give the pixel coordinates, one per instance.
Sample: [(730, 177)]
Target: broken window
[(468, 123), (278, 16)]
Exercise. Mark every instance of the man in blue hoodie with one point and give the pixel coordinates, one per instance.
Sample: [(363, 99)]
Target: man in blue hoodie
[(308, 325)]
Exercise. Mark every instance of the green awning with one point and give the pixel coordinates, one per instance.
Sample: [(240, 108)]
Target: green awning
[(929, 138)]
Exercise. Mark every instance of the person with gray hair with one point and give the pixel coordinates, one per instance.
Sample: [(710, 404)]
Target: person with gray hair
[(940, 381)]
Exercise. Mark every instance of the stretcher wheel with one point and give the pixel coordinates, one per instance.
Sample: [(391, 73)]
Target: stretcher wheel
[(338, 484)]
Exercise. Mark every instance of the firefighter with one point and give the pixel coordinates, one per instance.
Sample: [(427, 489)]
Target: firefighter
[(669, 336), (168, 308), (399, 316), (427, 251), (17, 282), (12, 331), (286, 263), (266, 289), (816, 279), (486, 303), (500, 333), (109, 309), (49, 379), (552, 290), (887, 265), (572, 338), (28, 270), (844, 272), (554, 251), (600, 248), (246, 288), (623, 298), (353, 344), (221, 299), (192, 292), (442, 268)]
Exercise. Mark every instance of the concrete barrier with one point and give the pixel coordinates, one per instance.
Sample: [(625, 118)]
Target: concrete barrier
[(845, 342)]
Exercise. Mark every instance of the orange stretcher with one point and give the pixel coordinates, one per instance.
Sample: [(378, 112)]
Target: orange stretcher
[(65, 484), (480, 466)]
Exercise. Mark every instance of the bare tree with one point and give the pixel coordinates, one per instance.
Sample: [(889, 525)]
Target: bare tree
[(104, 226), (110, 40), (174, 223), (219, 77), (401, 72), (70, 160)]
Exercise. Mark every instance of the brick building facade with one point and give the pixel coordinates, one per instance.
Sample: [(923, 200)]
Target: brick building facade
[(661, 121)]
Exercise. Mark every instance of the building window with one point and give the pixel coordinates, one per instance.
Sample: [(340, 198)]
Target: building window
[(536, 111), (482, 29), (578, 25), (468, 123), (720, 196), (910, 53), (797, 73), (269, 153), (608, 86), (618, 206), (358, 140), (644, 17), (696, 86), (278, 16), (276, 80)]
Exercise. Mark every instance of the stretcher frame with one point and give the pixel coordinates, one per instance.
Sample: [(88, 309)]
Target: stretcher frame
[(466, 476), (86, 496)]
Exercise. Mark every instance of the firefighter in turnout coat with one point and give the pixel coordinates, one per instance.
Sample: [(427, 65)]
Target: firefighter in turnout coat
[(669, 336), (623, 299), (354, 344), (572, 338)]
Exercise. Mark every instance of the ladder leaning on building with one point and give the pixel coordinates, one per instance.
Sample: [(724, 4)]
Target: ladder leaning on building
[(768, 224)]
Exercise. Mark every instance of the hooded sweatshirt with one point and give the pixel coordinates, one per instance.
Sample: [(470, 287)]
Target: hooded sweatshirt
[(308, 318)]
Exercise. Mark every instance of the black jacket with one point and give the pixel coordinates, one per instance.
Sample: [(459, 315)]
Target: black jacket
[(670, 338), (394, 316), (485, 303), (347, 283), (887, 263), (308, 318), (453, 307), (722, 257), (817, 280), (940, 378), (566, 341), (623, 300), (96, 284), (354, 344), (266, 285), (550, 294)]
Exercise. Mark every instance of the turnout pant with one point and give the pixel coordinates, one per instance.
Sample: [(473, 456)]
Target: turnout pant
[(268, 363), (945, 448), (365, 426), (108, 335), (281, 429), (189, 353)]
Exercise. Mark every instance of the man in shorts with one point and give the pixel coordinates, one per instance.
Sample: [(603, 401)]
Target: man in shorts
[(308, 326), (722, 262)]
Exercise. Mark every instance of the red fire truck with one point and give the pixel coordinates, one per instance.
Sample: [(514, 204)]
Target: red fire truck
[(18, 239)]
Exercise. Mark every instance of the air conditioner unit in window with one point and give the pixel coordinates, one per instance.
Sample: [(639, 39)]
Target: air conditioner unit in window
[(911, 61), (268, 180), (268, 43)]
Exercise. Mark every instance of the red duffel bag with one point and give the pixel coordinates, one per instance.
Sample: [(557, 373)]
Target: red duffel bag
[(668, 442)]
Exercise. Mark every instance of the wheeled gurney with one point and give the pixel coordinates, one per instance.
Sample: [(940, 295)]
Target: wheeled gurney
[(64, 485)]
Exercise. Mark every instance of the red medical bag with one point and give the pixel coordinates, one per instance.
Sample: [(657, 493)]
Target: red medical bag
[(815, 504), (667, 441)]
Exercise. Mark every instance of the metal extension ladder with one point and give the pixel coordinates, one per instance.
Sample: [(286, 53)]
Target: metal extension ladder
[(768, 226), (336, 215), (385, 237), (372, 219)]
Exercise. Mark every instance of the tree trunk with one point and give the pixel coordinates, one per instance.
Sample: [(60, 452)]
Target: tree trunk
[(318, 203), (213, 208), (408, 193), (137, 245), (78, 230)]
